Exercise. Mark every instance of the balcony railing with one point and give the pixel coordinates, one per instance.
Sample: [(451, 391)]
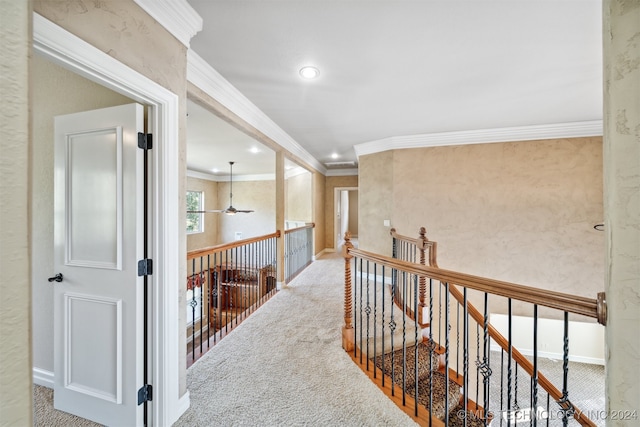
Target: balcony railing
[(415, 330), (298, 250), (225, 284)]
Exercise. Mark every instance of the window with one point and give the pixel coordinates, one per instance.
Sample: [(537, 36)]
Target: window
[(195, 221)]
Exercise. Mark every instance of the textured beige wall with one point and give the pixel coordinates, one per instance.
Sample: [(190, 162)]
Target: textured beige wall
[(331, 183), (299, 197), (210, 235), (259, 196), (375, 194), (15, 289), (521, 211), (622, 205), (55, 91), (353, 213), (319, 215), (124, 31)]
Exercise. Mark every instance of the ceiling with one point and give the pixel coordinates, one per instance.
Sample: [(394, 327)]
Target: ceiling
[(391, 68)]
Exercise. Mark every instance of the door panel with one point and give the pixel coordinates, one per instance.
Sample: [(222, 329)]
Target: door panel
[(94, 198), (98, 240)]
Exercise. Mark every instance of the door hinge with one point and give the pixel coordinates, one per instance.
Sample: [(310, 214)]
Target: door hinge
[(144, 141), (145, 267), (145, 394)]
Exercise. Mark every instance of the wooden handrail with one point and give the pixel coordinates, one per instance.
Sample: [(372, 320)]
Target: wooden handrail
[(291, 230), (226, 246), (519, 358), (560, 301)]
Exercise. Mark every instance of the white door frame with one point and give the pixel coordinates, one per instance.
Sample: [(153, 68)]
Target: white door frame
[(73, 53), (336, 222)]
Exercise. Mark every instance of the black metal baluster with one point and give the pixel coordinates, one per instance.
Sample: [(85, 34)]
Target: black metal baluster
[(516, 405), (534, 377), (477, 362), (367, 310), (208, 310), (501, 385), (431, 350), (384, 291), (458, 339), (446, 355), (404, 337), (392, 329), (415, 358), (486, 372), (509, 373), (360, 311), (440, 313), (565, 403), (201, 281), (193, 305), (375, 318), (466, 356)]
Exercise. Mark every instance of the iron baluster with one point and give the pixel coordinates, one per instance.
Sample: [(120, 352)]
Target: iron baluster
[(375, 319), (384, 291), (565, 403), (466, 354), (367, 310), (446, 355), (415, 358), (510, 355), (431, 348), (477, 360), (404, 337), (534, 378), (360, 311), (458, 337)]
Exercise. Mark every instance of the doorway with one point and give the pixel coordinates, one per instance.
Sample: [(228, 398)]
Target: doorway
[(345, 215), (58, 46)]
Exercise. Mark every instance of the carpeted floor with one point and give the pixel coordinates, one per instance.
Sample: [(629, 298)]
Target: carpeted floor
[(285, 366)]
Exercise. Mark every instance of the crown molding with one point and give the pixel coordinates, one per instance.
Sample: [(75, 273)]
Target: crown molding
[(483, 136), (205, 77), (225, 178), (176, 16), (342, 172)]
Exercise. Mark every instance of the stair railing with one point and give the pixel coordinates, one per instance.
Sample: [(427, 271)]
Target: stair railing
[(225, 284), (417, 288), (298, 250)]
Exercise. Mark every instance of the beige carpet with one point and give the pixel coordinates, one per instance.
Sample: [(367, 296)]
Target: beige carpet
[(45, 416), (284, 366)]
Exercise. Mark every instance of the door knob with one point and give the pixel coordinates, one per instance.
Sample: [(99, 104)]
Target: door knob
[(56, 278)]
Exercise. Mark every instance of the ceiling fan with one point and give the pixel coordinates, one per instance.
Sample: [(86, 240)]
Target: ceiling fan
[(230, 210)]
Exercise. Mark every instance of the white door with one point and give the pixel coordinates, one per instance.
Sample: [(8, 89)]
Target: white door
[(98, 240)]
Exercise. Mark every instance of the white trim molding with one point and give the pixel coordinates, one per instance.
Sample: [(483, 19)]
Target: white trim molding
[(43, 377), (483, 136), (342, 172), (205, 77), (73, 53), (176, 16)]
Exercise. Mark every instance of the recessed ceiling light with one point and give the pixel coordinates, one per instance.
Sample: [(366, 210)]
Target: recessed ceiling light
[(309, 72), (254, 150), (334, 156)]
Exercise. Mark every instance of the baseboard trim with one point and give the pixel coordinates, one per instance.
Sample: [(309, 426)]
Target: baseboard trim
[(184, 403), (43, 377)]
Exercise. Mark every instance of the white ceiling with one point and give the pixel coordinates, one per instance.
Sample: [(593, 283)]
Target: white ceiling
[(392, 68)]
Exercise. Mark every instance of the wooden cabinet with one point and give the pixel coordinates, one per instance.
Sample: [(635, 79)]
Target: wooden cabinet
[(236, 288)]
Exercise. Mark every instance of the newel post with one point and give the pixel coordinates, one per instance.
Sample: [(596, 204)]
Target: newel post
[(422, 241), (348, 334)]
